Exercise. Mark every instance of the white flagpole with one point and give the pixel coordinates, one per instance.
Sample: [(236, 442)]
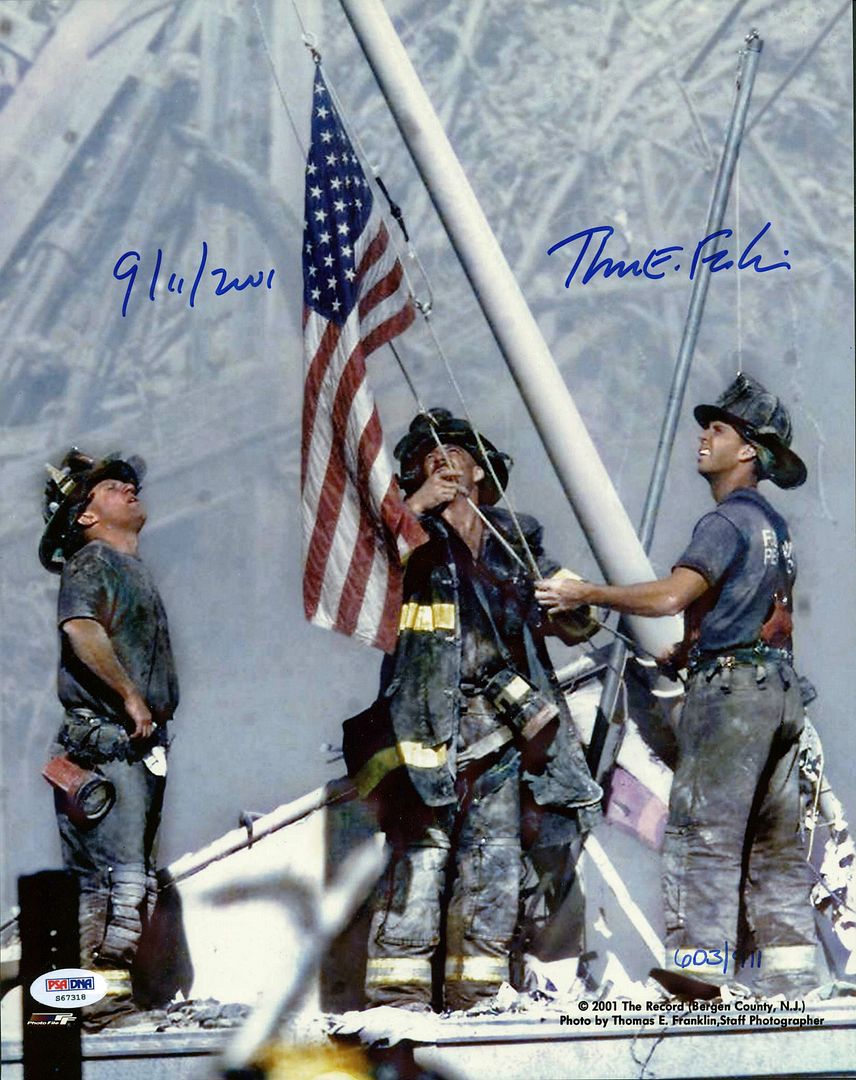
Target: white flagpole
[(586, 482)]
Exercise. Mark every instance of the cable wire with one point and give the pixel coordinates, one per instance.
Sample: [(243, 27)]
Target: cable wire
[(426, 308), (272, 66)]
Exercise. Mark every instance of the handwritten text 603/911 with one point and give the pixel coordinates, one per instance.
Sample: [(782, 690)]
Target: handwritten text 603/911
[(128, 265)]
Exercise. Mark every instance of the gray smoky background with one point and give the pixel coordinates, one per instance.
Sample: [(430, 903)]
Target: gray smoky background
[(146, 126)]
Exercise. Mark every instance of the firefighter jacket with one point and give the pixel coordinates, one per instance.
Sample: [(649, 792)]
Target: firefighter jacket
[(448, 598)]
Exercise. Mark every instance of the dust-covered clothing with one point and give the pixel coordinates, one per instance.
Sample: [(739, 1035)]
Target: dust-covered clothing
[(734, 860), (447, 650), (744, 552), (455, 821), (471, 853), (114, 859), (734, 865), (117, 591)]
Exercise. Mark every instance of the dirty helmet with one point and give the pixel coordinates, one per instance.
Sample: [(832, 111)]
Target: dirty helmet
[(761, 419), (438, 424), (65, 496)]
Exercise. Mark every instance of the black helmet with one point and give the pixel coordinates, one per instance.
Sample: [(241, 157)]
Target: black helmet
[(763, 420), (438, 425), (65, 496)]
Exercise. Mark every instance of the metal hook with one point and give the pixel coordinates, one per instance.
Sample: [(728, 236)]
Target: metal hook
[(310, 41)]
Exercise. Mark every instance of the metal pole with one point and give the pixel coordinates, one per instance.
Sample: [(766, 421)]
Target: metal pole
[(582, 474), (719, 201), (334, 791), (701, 282)]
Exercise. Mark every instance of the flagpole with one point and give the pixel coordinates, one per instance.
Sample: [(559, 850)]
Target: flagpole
[(598, 760), (582, 474)]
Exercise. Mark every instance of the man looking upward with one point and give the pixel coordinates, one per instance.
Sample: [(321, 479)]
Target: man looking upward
[(471, 718), (734, 868), (118, 685)]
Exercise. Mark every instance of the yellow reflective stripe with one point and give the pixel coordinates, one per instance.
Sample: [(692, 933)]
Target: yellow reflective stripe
[(118, 981), (397, 970), (422, 757), (375, 769), (404, 753), (786, 958), (487, 969), (514, 691), (424, 618)]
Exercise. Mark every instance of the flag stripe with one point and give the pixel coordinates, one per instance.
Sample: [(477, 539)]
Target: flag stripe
[(355, 300), (363, 561), (335, 477)]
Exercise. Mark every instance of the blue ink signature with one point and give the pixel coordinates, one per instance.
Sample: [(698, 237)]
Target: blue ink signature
[(714, 957), (128, 264), (702, 256)]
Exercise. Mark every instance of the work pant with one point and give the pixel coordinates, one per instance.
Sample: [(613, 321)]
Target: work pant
[(468, 856), (114, 862), (734, 865)]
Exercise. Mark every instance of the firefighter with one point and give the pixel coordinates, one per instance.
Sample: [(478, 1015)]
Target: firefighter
[(117, 683), (471, 707), (735, 876)]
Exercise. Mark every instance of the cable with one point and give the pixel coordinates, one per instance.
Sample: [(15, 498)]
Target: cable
[(738, 275), (817, 788), (266, 47), (425, 308)]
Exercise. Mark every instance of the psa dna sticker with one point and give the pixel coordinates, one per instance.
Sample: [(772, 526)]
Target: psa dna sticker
[(69, 987)]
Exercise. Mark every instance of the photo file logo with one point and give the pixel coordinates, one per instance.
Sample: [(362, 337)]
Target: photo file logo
[(52, 1019)]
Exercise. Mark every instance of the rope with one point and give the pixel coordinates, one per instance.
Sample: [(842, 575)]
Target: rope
[(738, 275), (738, 82), (410, 384), (307, 35), (370, 171), (272, 66), (425, 307), (533, 565)]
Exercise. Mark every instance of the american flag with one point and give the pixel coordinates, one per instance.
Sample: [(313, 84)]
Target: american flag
[(355, 298)]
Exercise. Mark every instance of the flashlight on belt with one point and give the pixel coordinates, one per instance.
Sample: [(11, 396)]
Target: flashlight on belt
[(521, 704), (87, 796)]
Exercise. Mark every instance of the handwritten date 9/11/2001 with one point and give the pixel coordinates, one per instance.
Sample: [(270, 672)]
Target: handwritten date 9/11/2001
[(706, 253), (128, 264)]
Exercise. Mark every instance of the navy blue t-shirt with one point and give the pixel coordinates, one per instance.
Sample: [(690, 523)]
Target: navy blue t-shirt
[(744, 552)]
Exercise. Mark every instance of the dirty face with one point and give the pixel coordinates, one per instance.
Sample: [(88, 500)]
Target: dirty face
[(114, 503), (721, 448), (453, 462)]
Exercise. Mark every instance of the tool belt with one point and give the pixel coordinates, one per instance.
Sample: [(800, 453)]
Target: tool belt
[(479, 711), (90, 739), (756, 655)]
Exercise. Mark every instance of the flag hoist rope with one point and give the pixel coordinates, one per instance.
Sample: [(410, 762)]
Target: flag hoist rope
[(425, 308), (543, 390)]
